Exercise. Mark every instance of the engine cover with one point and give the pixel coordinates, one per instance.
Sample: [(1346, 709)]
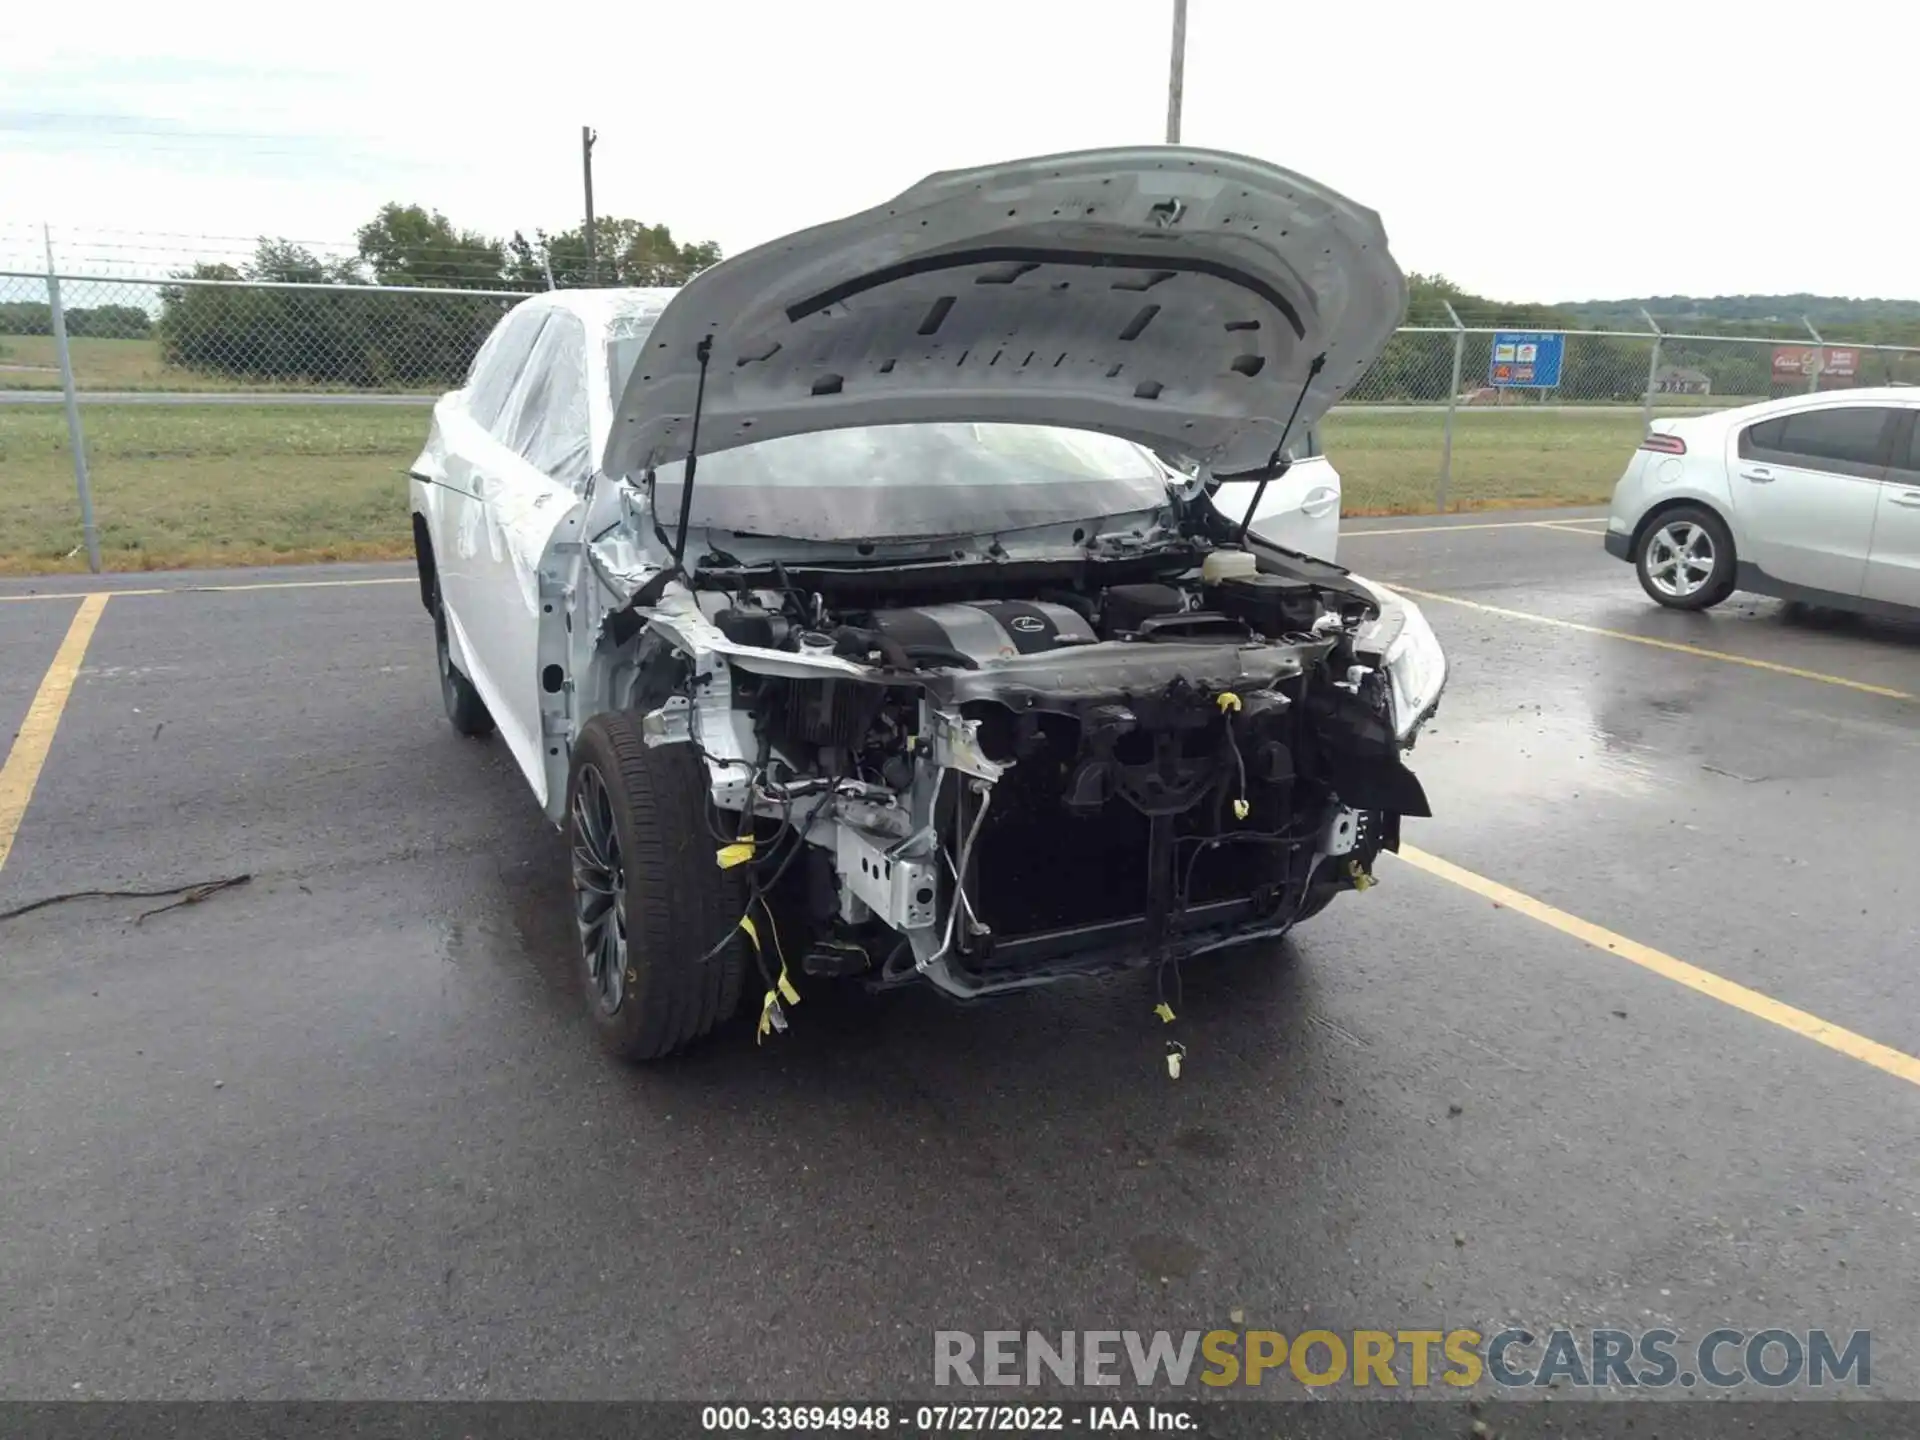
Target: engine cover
[(984, 630)]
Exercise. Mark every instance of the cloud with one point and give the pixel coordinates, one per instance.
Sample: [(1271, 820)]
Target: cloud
[(1568, 155)]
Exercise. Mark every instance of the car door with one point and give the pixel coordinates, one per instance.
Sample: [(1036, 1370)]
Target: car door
[(1806, 486), (466, 419), (523, 473), (1893, 558)]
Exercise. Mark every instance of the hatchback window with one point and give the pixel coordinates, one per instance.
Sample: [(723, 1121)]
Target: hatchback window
[(1848, 434)]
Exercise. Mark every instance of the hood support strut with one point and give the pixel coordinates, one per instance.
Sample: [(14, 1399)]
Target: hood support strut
[(701, 352), (1274, 466)]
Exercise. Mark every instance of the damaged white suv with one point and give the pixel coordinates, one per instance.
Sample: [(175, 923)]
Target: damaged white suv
[(924, 596)]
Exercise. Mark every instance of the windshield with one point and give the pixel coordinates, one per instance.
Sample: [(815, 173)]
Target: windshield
[(894, 482)]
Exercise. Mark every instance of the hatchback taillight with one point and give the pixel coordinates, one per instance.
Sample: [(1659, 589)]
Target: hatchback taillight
[(1665, 444)]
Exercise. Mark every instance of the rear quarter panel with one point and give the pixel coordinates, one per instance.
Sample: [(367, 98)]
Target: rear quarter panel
[(1654, 481)]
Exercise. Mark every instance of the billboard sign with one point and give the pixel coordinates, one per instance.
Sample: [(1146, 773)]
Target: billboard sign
[(1800, 363), (1529, 359)]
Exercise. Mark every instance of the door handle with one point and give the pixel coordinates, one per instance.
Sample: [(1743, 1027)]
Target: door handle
[(1759, 474), (1909, 498)]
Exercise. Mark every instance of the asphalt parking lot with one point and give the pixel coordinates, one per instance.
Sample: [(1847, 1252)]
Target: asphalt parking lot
[(1626, 1041)]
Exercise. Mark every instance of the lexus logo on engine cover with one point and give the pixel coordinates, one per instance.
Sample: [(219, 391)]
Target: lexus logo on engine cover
[(1027, 624)]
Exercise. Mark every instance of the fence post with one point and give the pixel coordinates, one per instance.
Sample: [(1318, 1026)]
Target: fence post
[(1453, 401), (1653, 368), (74, 436), (1819, 356)]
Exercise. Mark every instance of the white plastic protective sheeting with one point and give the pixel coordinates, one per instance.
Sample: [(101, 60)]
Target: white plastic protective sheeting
[(895, 482), (545, 381), (544, 417), (627, 323), (499, 362), (542, 386)]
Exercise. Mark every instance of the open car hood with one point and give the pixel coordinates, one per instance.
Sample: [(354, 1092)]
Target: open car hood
[(1172, 296)]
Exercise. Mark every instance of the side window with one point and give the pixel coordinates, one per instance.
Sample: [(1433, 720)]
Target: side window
[(499, 363), (1764, 436), (1839, 437), (545, 419), (1911, 461)]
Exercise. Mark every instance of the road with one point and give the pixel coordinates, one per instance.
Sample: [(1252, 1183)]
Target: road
[(340, 1131)]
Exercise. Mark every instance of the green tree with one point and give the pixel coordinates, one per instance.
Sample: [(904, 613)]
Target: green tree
[(410, 245), (626, 252), (314, 325), (108, 322), (328, 335)]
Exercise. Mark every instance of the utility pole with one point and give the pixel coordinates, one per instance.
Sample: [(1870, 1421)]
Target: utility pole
[(587, 137), (1176, 76)]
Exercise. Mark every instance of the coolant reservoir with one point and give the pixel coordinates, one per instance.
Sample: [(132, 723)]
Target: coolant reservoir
[(1225, 564)]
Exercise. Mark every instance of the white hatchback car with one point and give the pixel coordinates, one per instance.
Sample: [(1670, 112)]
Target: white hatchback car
[(1814, 498)]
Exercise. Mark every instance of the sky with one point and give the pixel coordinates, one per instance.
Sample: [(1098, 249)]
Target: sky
[(1536, 153)]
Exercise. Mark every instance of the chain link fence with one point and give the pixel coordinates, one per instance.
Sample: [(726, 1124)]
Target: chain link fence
[(248, 421), (226, 335)]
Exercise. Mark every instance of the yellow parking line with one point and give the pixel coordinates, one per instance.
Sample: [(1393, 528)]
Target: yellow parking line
[(29, 753), (1727, 992), (1677, 646), (1477, 525), (202, 589)]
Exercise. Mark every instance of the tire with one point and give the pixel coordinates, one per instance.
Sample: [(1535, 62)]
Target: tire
[(650, 904), (465, 709), (1684, 558)]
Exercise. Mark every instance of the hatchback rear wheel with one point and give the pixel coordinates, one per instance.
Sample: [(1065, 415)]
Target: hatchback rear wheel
[(1685, 559)]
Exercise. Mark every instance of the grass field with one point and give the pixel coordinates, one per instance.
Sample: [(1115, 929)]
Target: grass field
[(1389, 461), (244, 485), (29, 363), (208, 485)]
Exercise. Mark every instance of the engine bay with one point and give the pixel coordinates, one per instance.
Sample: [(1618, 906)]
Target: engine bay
[(1063, 777)]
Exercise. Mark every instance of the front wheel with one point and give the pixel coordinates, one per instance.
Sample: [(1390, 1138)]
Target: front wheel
[(661, 954), (1685, 559)]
